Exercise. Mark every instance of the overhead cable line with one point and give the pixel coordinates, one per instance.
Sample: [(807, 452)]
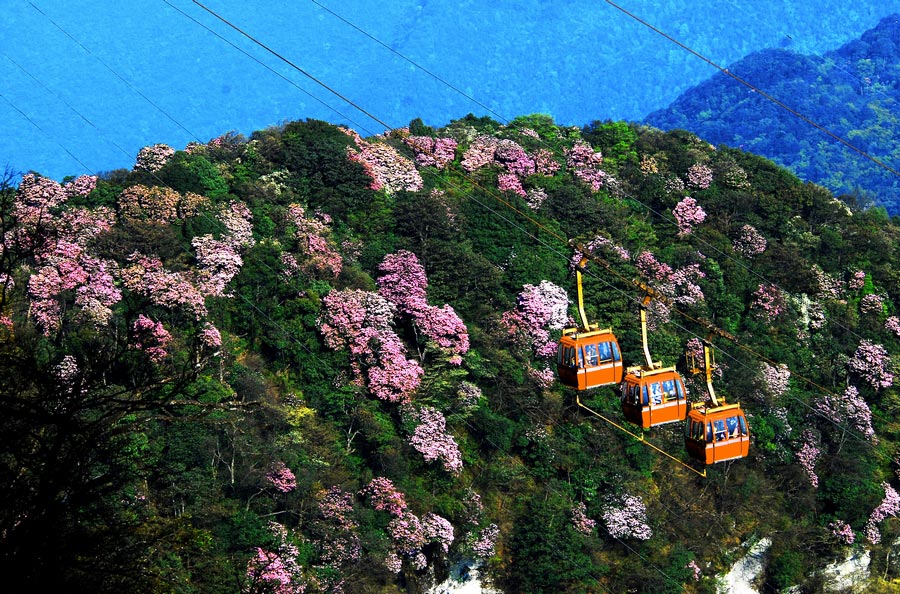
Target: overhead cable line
[(116, 74), (66, 103), (409, 60), (44, 132), (291, 64), (267, 67)]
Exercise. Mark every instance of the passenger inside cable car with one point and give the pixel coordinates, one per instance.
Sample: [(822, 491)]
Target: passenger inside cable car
[(588, 360), (651, 398), (717, 434)]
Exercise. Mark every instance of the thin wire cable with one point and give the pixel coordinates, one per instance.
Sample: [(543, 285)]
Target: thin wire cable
[(270, 69), (409, 60), (66, 103), (116, 74), (44, 132), (292, 64)]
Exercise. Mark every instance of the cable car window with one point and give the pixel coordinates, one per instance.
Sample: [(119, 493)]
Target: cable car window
[(696, 430), (732, 423), (590, 355), (655, 393), (566, 356), (743, 425), (668, 388), (709, 433), (644, 390), (604, 351), (615, 350), (719, 425), (680, 389)]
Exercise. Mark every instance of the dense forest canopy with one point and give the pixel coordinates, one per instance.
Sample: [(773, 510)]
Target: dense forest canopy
[(852, 92), (308, 361)]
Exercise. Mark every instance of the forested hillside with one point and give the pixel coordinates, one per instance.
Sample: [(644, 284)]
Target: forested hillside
[(852, 92), (307, 361)]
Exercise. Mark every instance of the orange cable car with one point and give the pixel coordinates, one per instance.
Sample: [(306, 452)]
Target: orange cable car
[(651, 394), (588, 357), (714, 431)]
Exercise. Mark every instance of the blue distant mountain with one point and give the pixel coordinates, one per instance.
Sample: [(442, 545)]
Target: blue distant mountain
[(851, 92)]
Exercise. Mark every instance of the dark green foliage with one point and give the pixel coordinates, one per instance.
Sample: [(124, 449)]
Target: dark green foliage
[(616, 140), (191, 173), (549, 554)]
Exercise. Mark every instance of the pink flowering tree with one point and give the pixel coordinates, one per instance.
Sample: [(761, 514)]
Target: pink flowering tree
[(699, 176), (545, 163), (749, 242), (688, 214), (871, 304), (218, 261), (153, 158), (81, 186), (151, 338), (337, 534), (432, 152), (281, 478), (438, 530), (276, 570), (360, 322), (857, 280), (600, 246), (408, 532), (847, 409), (431, 439), (580, 520), (680, 285), (480, 153), (888, 508), (774, 379), (66, 269), (809, 453), (390, 171), (484, 542), (626, 517), (842, 531), (146, 276), (315, 246), (872, 364), (892, 325), (539, 310), (768, 302), (384, 496), (584, 163), (403, 282)]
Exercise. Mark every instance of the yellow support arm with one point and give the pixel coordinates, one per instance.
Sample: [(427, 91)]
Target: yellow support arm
[(578, 269)]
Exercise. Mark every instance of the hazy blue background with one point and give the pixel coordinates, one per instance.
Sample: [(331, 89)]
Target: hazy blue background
[(101, 79)]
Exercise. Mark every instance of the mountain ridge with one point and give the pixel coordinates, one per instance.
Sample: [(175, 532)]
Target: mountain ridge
[(850, 91)]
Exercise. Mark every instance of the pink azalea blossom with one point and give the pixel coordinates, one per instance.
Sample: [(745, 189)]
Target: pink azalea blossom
[(626, 517), (688, 214)]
